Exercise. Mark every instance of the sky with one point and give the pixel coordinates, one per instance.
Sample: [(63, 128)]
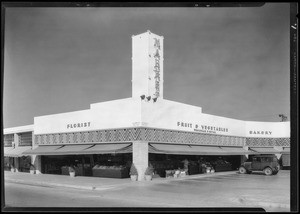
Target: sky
[(232, 62)]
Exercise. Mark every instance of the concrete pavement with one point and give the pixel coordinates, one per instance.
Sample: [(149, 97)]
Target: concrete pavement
[(256, 190), (89, 183)]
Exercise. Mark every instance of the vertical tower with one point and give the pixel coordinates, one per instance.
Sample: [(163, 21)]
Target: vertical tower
[(147, 65)]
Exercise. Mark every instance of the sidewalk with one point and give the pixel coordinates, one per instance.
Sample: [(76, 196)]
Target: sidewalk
[(89, 183)]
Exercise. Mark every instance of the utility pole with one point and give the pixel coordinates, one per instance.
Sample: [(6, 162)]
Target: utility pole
[(283, 117)]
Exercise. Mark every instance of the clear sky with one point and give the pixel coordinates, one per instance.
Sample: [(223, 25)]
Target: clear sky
[(232, 62)]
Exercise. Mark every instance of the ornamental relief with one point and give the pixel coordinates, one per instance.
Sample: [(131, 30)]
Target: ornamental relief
[(156, 136)]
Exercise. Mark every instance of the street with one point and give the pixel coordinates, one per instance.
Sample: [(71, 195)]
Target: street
[(235, 190)]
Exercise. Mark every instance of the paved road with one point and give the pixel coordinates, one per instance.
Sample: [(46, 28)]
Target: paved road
[(255, 190)]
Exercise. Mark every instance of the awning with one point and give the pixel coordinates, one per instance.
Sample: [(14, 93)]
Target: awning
[(7, 149), (72, 149), (109, 148), (265, 150), (286, 150), (185, 149), (236, 150), (82, 149), (18, 151), (43, 150)]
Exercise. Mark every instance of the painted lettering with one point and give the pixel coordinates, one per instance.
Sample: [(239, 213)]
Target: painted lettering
[(78, 125)]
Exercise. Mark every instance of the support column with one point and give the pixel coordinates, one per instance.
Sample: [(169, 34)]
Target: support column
[(246, 156), (36, 160), (16, 145), (280, 149), (140, 158)]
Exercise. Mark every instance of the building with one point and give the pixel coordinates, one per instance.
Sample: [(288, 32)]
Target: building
[(145, 127)]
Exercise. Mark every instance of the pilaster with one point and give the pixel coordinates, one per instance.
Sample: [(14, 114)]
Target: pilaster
[(140, 157)]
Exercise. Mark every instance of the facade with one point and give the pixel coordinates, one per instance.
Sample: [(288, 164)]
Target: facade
[(145, 127)]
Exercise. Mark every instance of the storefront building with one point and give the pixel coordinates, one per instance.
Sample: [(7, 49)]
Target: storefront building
[(145, 128)]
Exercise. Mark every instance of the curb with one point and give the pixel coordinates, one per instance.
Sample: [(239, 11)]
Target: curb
[(50, 184), (104, 187), (99, 188), (264, 204), (274, 205)]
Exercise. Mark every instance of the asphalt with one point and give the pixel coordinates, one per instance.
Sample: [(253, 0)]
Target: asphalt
[(90, 183)]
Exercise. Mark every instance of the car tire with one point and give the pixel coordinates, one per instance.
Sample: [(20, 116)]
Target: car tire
[(249, 172), (275, 172), (242, 170), (268, 171)]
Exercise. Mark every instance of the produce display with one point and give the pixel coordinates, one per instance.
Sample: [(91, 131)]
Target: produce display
[(110, 171)]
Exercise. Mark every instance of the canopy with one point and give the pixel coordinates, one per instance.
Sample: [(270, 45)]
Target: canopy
[(7, 149), (196, 150), (185, 149), (82, 149), (17, 152), (236, 150), (109, 148), (71, 149), (265, 150), (43, 150)]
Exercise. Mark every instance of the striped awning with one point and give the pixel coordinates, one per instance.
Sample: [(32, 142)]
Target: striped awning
[(17, 152)]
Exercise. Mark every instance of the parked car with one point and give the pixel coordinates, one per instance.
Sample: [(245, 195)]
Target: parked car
[(266, 163)]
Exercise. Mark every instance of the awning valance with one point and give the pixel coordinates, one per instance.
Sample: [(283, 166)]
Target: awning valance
[(18, 151), (265, 150), (82, 149)]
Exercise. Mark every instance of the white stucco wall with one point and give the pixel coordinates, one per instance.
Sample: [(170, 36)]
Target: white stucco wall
[(18, 129), (106, 115), (267, 129), (147, 65), (164, 114), (178, 116), (167, 114)]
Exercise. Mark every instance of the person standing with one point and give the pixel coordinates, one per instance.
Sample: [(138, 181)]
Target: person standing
[(186, 166)]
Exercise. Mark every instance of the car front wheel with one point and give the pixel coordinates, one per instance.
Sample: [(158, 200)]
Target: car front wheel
[(268, 171), (242, 170)]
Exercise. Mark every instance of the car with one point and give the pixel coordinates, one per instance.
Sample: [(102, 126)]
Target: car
[(266, 163)]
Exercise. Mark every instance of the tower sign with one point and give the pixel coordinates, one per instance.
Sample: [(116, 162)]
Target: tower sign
[(147, 65)]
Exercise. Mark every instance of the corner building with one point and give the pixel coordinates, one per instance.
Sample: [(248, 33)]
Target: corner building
[(141, 129)]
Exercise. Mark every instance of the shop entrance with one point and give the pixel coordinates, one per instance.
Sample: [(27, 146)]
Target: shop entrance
[(197, 164), (84, 165)]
